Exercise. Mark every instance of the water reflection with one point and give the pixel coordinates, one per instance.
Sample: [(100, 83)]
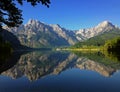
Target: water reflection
[(48, 71), (35, 65), (8, 60), (114, 56)]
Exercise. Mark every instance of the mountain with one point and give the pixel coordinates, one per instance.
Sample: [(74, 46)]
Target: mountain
[(104, 27), (37, 34), (99, 40), (97, 36)]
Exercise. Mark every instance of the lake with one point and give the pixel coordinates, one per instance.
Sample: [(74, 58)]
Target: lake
[(55, 71)]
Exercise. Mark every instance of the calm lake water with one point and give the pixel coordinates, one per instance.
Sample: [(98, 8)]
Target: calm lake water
[(49, 71)]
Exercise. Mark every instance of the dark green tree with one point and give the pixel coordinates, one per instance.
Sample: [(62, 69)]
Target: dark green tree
[(11, 16), (113, 45)]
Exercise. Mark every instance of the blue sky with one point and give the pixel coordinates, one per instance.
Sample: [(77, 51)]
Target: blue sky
[(74, 14)]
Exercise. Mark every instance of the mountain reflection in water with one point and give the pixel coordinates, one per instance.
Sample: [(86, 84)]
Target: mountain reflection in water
[(35, 65), (49, 71)]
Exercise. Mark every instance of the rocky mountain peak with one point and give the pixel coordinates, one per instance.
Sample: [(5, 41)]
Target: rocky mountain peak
[(34, 22), (105, 24), (102, 27), (37, 34)]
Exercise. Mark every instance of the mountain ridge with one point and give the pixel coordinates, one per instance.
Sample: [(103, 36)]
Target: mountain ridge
[(37, 34), (105, 26)]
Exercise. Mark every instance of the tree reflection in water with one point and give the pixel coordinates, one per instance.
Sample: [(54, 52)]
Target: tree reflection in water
[(8, 60)]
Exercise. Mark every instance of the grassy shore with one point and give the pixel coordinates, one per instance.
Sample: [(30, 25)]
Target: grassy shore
[(85, 48), (81, 49)]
